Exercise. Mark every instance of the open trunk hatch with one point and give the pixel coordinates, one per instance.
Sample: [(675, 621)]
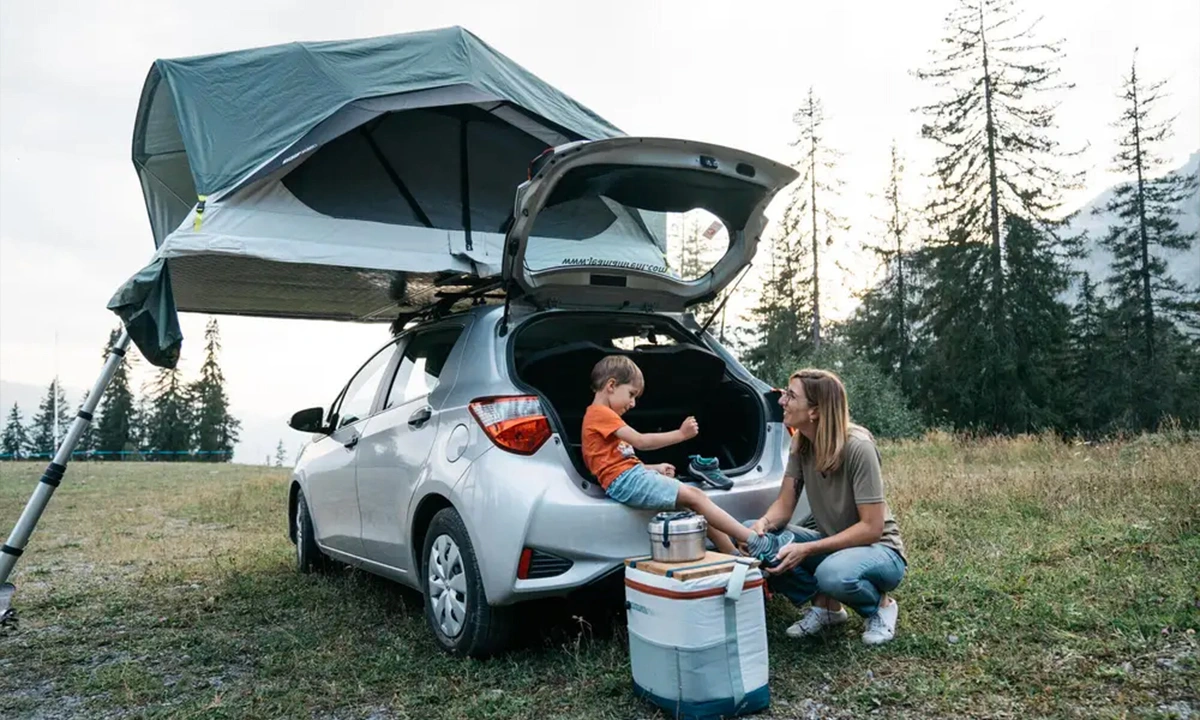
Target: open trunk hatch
[(590, 226)]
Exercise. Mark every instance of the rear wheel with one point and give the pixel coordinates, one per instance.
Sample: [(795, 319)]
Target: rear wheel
[(309, 557), (456, 606)]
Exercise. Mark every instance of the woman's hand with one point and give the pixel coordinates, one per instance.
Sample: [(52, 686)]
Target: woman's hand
[(789, 556)]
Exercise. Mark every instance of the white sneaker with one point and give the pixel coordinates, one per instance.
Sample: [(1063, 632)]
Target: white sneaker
[(817, 620), (881, 627)]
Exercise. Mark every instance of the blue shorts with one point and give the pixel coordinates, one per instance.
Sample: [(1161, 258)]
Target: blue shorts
[(640, 487)]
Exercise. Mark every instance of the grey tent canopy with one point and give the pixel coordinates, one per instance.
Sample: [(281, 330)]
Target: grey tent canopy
[(208, 125), (344, 180)]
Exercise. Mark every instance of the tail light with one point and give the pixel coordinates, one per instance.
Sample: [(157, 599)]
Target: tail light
[(515, 423)]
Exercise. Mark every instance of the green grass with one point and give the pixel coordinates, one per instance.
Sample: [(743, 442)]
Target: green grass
[(1047, 580)]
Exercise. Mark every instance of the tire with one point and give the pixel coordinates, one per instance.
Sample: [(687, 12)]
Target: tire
[(456, 606), (309, 557)]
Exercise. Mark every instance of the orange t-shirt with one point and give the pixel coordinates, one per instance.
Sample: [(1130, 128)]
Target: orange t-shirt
[(604, 454)]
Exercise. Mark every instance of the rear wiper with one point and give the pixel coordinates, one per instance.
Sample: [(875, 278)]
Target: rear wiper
[(721, 305)]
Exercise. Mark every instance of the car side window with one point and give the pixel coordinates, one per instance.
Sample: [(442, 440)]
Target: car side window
[(420, 368), (360, 393)]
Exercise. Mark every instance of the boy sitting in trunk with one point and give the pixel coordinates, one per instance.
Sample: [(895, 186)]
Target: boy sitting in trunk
[(610, 447)]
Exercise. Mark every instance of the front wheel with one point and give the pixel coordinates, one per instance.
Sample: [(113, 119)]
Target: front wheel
[(309, 557), (456, 606)]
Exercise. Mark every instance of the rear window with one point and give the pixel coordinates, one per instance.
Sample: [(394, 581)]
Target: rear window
[(606, 331), (666, 221)]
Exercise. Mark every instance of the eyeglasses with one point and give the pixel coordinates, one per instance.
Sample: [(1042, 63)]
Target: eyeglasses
[(793, 397)]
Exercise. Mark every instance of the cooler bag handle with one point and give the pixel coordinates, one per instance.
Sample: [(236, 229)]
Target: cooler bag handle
[(733, 591), (737, 578)]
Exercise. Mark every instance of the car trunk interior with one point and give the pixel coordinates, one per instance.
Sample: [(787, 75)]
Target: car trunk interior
[(555, 354)]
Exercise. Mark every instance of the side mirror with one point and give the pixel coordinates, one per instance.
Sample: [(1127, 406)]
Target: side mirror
[(309, 421)]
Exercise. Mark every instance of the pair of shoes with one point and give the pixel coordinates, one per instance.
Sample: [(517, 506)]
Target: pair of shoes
[(765, 547), (709, 471), (881, 627)]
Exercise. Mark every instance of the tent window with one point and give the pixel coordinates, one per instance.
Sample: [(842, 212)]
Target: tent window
[(409, 170)]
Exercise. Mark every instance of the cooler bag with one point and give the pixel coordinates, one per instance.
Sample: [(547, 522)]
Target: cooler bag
[(698, 636)]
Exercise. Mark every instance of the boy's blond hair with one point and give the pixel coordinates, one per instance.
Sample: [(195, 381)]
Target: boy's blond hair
[(616, 367)]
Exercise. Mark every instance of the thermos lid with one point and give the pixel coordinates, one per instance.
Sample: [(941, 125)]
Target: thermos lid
[(678, 522)]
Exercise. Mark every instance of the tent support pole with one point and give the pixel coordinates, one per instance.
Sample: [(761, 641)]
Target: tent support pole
[(464, 171), (19, 537)]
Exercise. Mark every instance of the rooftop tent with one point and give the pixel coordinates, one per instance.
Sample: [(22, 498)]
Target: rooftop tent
[(344, 180)]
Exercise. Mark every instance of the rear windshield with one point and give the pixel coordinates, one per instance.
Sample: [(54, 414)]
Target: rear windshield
[(606, 331), (669, 221)]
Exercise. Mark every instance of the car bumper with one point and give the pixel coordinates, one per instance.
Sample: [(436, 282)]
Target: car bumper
[(536, 502)]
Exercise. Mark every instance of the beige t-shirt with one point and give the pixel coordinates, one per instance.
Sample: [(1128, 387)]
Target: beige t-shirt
[(835, 498)]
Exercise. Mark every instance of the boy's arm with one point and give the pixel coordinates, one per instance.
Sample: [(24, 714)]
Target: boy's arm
[(654, 441)]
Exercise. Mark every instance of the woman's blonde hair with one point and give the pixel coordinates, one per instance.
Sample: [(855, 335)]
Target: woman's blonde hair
[(824, 392)]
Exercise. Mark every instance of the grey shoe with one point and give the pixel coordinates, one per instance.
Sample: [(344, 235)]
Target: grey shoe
[(765, 547)]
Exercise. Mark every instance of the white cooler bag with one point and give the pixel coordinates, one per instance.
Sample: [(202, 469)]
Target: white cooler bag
[(698, 636)]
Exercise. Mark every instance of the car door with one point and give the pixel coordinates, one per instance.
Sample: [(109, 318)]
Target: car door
[(331, 490), (396, 442)]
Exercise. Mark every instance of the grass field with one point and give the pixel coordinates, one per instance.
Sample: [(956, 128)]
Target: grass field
[(1047, 580)]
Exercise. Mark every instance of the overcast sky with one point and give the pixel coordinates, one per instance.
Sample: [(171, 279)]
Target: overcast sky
[(73, 224)]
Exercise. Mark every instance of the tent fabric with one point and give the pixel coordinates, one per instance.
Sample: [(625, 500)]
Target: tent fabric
[(147, 308), (269, 254), (345, 180), (224, 117)]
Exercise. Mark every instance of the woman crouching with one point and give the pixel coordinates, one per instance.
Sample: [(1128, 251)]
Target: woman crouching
[(855, 557)]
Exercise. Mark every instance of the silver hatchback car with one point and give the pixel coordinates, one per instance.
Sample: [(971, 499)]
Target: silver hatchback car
[(450, 462)]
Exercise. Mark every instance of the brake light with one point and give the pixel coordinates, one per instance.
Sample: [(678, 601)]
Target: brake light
[(515, 423)]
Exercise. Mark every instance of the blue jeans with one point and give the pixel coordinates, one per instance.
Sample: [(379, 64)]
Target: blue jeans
[(856, 577)]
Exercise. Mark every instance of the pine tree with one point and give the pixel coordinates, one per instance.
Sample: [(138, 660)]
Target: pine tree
[(812, 193), (169, 424), (695, 259), (998, 163), (15, 442), (1095, 383), (116, 423), (216, 429), (1039, 327), (1145, 212), (784, 304), (883, 327), (960, 363), (280, 455), (43, 440), (87, 440), (139, 424)]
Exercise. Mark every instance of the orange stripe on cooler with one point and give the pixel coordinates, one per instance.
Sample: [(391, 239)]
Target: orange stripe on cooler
[(693, 595)]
